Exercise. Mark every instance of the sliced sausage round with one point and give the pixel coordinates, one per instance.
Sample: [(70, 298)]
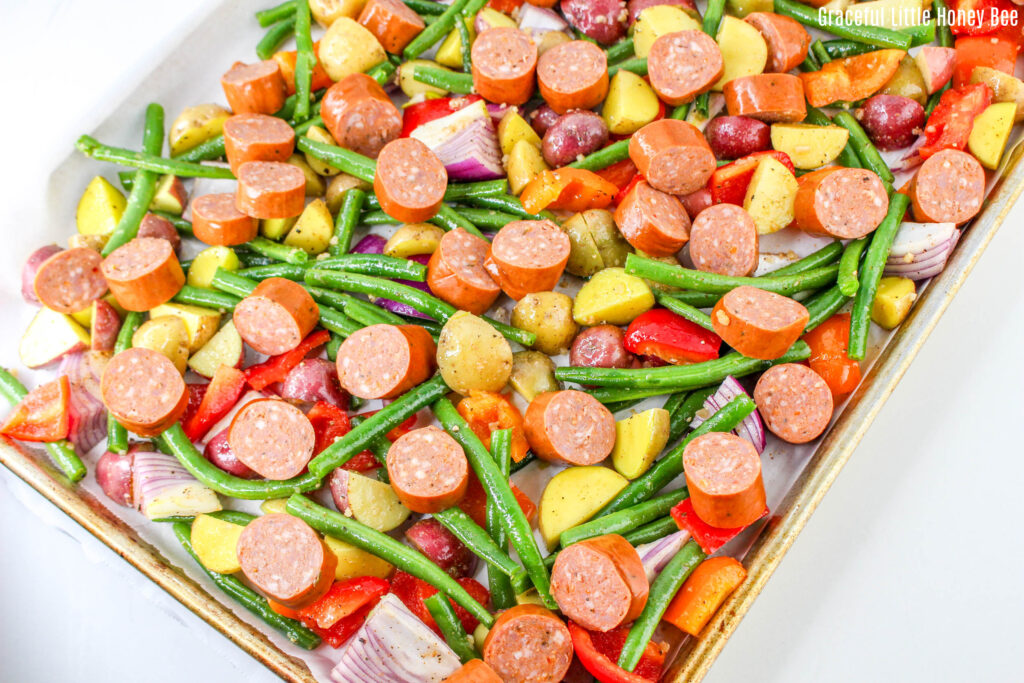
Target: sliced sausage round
[(602, 346), (528, 644), (385, 361), (773, 98), (845, 203), (144, 391), (392, 23), (673, 156), (257, 88), (273, 438), (31, 267), (456, 272), (723, 240), (787, 40), (948, 188), (474, 671), (70, 280), (428, 470), (217, 221), (270, 189), (257, 137), (104, 327), (276, 317), (600, 583), (360, 115), (286, 560), (528, 256), (757, 323), (504, 65), (794, 401), (410, 181), (569, 428), (161, 228), (652, 221), (723, 475), (143, 273), (684, 64), (573, 75)]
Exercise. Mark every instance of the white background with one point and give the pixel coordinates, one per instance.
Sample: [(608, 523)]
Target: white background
[(910, 570)]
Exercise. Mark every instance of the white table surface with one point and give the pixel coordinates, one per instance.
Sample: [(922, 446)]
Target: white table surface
[(910, 570)]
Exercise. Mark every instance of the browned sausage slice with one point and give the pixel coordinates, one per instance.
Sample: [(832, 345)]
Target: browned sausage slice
[(474, 671), (573, 75), (144, 391), (504, 65), (528, 644), (723, 240), (360, 115), (257, 137), (217, 221), (385, 361), (70, 280), (286, 560), (392, 23), (410, 181), (846, 203), (569, 427), (652, 221), (270, 189), (684, 64), (794, 401), (757, 323), (255, 88), (600, 583), (528, 256), (673, 156), (767, 97), (948, 188), (456, 272), (272, 438), (723, 474), (428, 470), (161, 228), (276, 317), (143, 273), (787, 40)]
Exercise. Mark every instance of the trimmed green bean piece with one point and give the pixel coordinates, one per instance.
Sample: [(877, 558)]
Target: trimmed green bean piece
[(663, 589), (866, 151), (344, 160), (205, 151), (452, 81), (694, 315), (682, 416), (603, 158), (345, 225), (820, 53), (275, 35), (848, 265), (483, 188), (332, 355), (619, 406), (206, 298), (871, 275), (943, 34), (810, 63), (448, 621), (370, 314), (838, 49), (530, 458), (659, 528), (623, 49), (448, 218), (508, 204), (483, 546), (825, 256), (487, 218), (681, 112), (377, 218), (117, 435), (233, 283), (143, 184), (637, 65), (614, 395), (502, 594), (305, 60), (464, 45), (278, 251), (823, 306), (427, 7), (873, 35), (179, 223), (277, 13), (498, 490), (435, 31), (920, 34), (383, 72), (624, 520), (94, 149), (250, 259), (713, 283), (289, 271), (376, 264)]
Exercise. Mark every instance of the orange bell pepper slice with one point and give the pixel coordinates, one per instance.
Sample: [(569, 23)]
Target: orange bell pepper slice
[(286, 60), (569, 189), (486, 411), (829, 342), (974, 51), (851, 78), (42, 415), (703, 593)]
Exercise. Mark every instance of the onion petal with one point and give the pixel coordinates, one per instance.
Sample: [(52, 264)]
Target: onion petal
[(751, 428)]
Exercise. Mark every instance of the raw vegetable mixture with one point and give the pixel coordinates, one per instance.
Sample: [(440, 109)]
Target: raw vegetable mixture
[(611, 168)]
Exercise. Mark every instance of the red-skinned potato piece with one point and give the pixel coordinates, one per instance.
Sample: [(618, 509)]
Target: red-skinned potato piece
[(441, 547), (218, 451), (114, 475), (732, 137)]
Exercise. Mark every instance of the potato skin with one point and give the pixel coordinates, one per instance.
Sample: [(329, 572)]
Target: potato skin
[(549, 316), (473, 355), (164, 334)]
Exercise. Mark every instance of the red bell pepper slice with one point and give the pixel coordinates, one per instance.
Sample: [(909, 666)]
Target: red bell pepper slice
[(620, 174), (415, 115), (505, 6), (982, 17), (399, 431), (671, 337), (330, 423), (829, 343), (196, 392), (950, 124), (709, 538), (487, 411), (474, 503), (626, 189), (287, 59), (221, 394), (974, 51), (412, 591), (728, 184), (599, 652), (42, 415), (344, 599), (275, 369)]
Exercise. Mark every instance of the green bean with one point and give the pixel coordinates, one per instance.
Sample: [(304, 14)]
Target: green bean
[(820, 53), (839, 49), (344, 160), (376, 218), (659, 528), (624, 520), (94, 149), (487, 218), (301, 128), (810, 63), (866, 151), (508, 204), (233, 283), (62, 452), (620, 50), (614, 395), (848, 157), (473, 7), (682, 416), (696, 299), (289, 271), (435, 31), (424, 303), (483, 188), (823, 306), (920, 34), (603, 158), (502, 594), (944, 35), (674, 401), (117, 435), (464, 47), (451, 628), (873, 35), (427, 7), (452, 81), (179, 223), (619, 406), (825, 256), (498, 490), (380, 423), (694, 315), (383, 72), (305, 59), (681, 112), (637, 65), (274, 14), (871, 275), (666, 469), (250, 259), (204, 151), (234, 516), (516, 466), (663, 589), (332, 355), (143, 184), (206, 298), (369, 314), (376, 264), (348, 217), (483, 546), (278, 251), (335, 321), (848, 265), (275, 35), (714, 283), (448, 218)]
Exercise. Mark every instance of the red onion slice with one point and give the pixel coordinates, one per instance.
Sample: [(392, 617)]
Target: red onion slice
[(161, 487), (371, 244), (926, 264), (751, 428), (656, 554), (466, 142), (87, 416), (540, 19), (31, 267)]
